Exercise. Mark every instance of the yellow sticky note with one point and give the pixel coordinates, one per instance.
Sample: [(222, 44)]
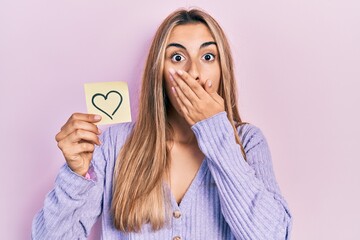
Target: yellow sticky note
[(110, 100)]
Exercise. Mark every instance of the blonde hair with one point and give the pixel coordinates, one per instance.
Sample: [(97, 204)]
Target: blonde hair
[(138, 191)]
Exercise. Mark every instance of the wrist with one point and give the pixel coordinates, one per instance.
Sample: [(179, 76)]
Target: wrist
[(81, 171)]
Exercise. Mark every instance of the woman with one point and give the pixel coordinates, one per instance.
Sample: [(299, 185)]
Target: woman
[(189, 168)]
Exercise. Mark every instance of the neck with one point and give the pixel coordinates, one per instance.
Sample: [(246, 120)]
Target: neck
[(182, 130)]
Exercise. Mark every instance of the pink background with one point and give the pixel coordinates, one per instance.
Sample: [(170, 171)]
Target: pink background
[(297, 65)]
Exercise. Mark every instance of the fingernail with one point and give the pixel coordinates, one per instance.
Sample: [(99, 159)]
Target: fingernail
[(171, 78), (173, 90), (180, 72), (209, 83), (97, 117)]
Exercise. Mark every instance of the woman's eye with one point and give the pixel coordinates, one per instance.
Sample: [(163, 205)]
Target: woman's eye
[(177, 58), (209, 57)]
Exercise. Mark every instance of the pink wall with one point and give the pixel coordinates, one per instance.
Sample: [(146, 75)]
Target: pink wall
[(298, 68)]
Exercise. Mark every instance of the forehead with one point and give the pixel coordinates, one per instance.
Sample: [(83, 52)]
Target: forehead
[(190, 32)]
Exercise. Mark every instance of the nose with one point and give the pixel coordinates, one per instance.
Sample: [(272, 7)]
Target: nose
[(194, 70)]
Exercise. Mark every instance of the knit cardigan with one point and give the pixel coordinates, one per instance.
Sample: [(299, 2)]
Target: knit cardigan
[(229, 198)]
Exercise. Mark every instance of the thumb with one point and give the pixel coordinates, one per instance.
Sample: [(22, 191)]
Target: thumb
[(209, 88)]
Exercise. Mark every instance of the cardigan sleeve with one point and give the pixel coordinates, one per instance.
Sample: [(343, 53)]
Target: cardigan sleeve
[(75, 203), (250, 198)]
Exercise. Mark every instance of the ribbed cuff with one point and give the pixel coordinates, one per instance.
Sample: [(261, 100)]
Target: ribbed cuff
[(213, 128), (71, 182)]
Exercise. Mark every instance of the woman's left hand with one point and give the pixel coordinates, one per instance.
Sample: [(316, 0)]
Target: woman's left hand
[(196, 102)]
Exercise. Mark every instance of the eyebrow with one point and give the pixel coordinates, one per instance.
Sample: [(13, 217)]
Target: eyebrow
[(178, 45)]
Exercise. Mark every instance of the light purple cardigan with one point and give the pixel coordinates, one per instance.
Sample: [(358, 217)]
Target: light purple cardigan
[(228, 199)]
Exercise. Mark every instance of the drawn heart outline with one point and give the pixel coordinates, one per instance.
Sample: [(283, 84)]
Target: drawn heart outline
[(105, 97)]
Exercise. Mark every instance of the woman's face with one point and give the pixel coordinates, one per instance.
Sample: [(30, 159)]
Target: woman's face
[(191, 48)]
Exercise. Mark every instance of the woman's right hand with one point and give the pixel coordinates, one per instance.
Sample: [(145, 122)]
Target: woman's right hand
[(77, 139)]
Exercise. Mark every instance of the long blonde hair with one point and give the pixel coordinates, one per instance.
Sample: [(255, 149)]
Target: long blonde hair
[(138, 192)]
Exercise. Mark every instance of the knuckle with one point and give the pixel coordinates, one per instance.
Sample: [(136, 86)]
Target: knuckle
[(87, 147), (91, 148), (75, 124), (57, 137), (79, 133), (60, 145), (84, 147), (73, 116)]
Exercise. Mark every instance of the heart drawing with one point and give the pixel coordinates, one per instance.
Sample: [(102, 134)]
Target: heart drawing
[(114, 100)]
